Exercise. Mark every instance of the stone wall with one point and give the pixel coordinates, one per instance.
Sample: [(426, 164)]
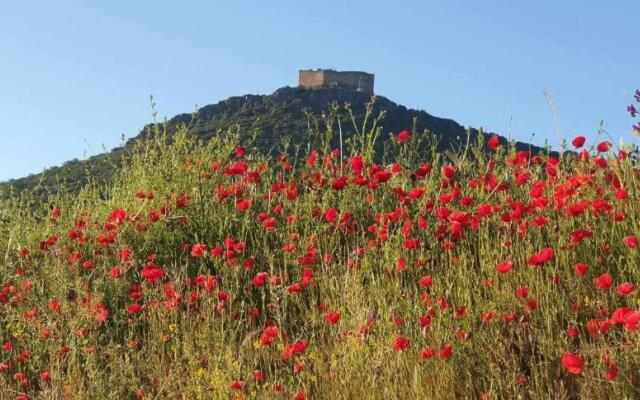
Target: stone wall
[(328, 78), (311, 78)]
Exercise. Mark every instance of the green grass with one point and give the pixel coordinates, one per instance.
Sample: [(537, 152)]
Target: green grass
[(186, 343)]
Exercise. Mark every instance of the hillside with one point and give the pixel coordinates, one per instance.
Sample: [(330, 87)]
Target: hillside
[(270, 119), (212, 271)]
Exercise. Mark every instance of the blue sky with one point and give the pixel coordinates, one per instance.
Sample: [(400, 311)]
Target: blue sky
[(76, 75)]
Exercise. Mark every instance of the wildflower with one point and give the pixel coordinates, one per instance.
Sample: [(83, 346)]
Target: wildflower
[(134, 308), (541, 257), (115, 272), (152, 274), (332, 318), (493, 143), (612, 372), (402, 136), (426, 281), (625, 288), (198, 250), (631, 321), (268, 335), (307, 275), (260, 279), (269, 224), (573, 363), (243, 205), (631, 109), (446, 351), (504, 267), (603, 147), (340, 183), (293, 289), (604, 281), (401, 343), (293, 349), (330, 215), (117, 216), (428, 353), (522, 292), (54, 305), (572, 332), (581, 269), (578, 141), (630, 241), (448, 171)]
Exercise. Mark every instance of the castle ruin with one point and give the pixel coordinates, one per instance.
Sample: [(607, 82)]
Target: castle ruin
[(329, 78)]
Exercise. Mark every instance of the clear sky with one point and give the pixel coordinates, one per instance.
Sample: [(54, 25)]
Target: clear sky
[(76, 75)]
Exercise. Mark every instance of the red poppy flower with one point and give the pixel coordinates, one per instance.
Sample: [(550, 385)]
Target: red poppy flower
[(402, 136), (332, 318), (603, 147), (625, 288), (604, 281), (426, 281), (493, 143), (428, 353), (446, 351), (573, 363), (522, 292), (330, 215), (631, 321), (541, 257), (578, 141), (243, 205), (152, 274), (198, 250), (572, 332), (294, 288), (612, 372), (401, 343), (581, 269), (260, 279), (630, 241), (134, 308), (504, 267), (259, 375), (449, 171)]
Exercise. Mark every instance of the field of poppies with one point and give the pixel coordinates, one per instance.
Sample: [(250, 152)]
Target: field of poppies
[(213, 271)]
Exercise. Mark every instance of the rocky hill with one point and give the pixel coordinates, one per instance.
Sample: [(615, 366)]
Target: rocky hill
[(269, 119)]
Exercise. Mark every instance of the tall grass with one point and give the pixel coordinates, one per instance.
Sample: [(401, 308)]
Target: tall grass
[(381, 280)]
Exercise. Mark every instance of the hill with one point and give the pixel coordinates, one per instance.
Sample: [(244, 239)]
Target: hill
[(212, 271), (287, 115)]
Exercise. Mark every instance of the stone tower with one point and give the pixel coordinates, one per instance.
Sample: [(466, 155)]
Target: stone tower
[(329, 78)]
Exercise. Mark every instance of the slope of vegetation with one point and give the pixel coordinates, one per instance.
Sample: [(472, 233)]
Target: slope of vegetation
[(266, 121), (209, 270)]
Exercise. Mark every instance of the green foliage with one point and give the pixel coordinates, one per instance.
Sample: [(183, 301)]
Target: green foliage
[(186, 342), (289, 115)]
